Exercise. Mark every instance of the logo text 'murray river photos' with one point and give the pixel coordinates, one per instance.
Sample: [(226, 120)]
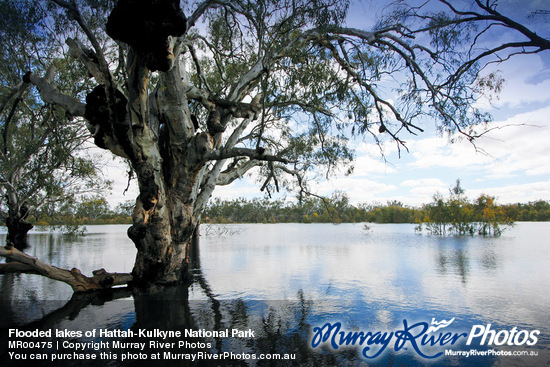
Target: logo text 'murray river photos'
[(422, 337)]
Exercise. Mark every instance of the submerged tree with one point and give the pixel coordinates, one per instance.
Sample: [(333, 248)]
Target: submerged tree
[(276, 85), (457, 215), (42, 160)]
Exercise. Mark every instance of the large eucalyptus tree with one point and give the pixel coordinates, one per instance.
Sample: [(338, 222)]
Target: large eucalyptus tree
[(196, 97)]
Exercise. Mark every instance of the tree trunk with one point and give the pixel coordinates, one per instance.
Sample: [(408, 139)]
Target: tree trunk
[(153, 128), (178, 160), (164, 218), (162, 240), (167, 155), (17, 232)]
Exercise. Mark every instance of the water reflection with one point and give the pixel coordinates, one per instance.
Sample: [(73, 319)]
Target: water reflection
[(283, 281), (454, 261)]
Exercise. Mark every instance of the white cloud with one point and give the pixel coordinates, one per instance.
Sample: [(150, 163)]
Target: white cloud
[(437, 152), (422, 190), (423, 182), (524, 81), (518, 145), (422, 193), (520, 149), (245, 187), (358, 189), (365, 165), (523, 193)]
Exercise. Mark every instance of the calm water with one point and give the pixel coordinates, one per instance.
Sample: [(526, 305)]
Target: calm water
[(282, 280)]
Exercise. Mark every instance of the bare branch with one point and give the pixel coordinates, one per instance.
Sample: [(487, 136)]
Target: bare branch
[(88, 58), (50, 94), (18, 93), (243, 152), (201, 9), (494, 15), (74, 13), (237, 172), (200, 76), (22, 262)]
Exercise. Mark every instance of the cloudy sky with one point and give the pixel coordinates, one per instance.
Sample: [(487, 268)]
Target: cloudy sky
[(511, 162)]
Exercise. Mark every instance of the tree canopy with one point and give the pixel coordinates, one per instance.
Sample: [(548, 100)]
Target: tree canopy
[(43, 160)]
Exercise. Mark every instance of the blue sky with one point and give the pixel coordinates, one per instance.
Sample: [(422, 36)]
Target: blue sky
[(515, 165)]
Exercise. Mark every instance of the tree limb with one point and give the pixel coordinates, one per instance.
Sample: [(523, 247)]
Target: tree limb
[(88, 58), (201, 9), (536, 40), (50, 94), (74, 13), (240, 152), (18, 93), (23, 263), (226, 178)]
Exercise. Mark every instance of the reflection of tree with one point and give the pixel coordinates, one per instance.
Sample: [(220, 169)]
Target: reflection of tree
[(455, 259), (489, 258), (12, 310), (5, 301), (71, 309), (280, 326)]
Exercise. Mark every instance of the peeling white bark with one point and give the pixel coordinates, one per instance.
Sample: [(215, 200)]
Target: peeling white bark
[(238, 172), (78, 51), (50, 94)]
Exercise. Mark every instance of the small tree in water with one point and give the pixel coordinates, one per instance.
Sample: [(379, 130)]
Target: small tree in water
[(456, 215), (490, 217), (279, 86)]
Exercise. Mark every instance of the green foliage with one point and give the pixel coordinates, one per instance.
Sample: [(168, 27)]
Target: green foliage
[(43, 158), (452, 215), (70, 217), (125, 208), (457, 215), (392, 212), (311, 210), (535, 211), (299, 91), (335, 209), (92, 207)]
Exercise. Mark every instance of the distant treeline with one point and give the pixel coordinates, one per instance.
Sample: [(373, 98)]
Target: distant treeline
[(442, 214), (337, 209), (70, 216)]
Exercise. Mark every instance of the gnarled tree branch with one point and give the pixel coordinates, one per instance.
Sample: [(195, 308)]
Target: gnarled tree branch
[(228, 176), (23, 263), (88, 58), (50, 94)]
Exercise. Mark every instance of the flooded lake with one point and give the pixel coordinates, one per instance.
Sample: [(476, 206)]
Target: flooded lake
[(286, 282)]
